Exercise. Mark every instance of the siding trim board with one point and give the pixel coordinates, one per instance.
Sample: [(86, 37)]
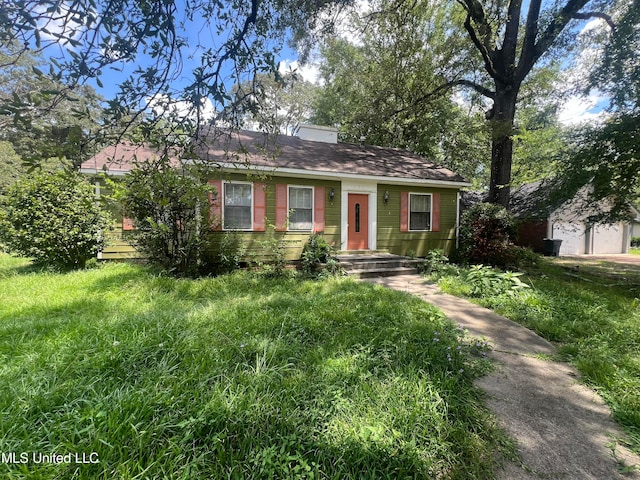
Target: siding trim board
[(328, 175), (318, 209)]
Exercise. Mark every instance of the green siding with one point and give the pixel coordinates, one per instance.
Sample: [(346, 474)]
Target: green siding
[(390, 237), (257, 243), (119, 246)]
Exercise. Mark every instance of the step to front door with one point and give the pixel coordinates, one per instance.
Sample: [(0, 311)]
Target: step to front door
[(369, 265)]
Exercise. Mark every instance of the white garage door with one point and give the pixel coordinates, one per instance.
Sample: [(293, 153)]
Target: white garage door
[(608, 239), (572, 236)]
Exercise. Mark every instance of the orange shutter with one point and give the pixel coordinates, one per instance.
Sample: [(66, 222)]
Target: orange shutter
[(404, 211), (215, 205), (435, 213), (318, 206), (127, 224), (259, 206), (281, 207)]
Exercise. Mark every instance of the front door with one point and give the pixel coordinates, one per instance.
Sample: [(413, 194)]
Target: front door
[(358, 222)]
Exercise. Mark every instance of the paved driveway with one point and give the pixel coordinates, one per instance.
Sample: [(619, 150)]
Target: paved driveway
[(627, 259)]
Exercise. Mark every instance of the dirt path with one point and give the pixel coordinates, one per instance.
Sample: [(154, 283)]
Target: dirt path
[(563, 430)]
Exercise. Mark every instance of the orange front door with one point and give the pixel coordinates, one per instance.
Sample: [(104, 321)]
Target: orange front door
[(358, 222)]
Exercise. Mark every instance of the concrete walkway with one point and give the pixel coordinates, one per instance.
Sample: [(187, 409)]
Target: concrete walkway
[(563, 430)]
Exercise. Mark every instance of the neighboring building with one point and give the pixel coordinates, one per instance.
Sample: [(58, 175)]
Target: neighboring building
[(635, 225), (360, 197), (540, 219)]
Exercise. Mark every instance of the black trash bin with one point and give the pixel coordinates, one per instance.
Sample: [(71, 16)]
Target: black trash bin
[(551, 247)]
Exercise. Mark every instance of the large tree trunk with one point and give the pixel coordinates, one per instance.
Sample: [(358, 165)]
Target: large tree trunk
[(502, 119)]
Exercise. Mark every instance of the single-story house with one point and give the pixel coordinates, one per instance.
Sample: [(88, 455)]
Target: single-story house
[(360, 197), (568, 221)]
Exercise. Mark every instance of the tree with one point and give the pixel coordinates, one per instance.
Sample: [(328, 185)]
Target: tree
[(39, 117), (55, 219), (169, 206), (607, 155), (276, 103), (149, 42), (511, 45), (607, 158), (379, 88)]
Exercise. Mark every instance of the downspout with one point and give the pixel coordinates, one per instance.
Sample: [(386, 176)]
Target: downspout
[(457, 219), (589, 239), (626, 237), (98, 193)]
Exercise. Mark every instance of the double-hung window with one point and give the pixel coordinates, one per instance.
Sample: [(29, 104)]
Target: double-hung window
[(300, 208), (237, 206), (419, 212)]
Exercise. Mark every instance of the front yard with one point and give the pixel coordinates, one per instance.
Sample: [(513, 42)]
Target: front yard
[(591, 311), (234, 377)]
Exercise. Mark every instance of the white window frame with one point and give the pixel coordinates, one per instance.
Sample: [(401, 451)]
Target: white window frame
[(313, 210), (430, 195), (224, 184)]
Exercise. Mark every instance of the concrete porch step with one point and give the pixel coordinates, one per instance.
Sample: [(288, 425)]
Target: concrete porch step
[(370, 265)]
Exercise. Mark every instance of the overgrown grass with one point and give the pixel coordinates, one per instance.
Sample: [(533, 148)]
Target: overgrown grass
[(234, 377), (634, 251), (593, 314)]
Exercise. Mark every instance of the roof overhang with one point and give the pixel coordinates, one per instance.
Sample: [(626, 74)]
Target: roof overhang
[(310, 174), (96, 171), (327, 175)]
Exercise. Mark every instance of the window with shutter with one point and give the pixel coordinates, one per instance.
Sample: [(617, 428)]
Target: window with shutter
[(237, 213)]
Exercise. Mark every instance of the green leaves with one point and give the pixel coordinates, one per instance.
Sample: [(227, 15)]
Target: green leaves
[(607, 158), (55, 219), (170, 210)]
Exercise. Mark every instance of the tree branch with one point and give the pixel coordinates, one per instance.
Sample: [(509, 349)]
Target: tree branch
[(603, 16), (447, 86), (560, 20), (482, 38), (239, 38), (529, 42), (510, 43)]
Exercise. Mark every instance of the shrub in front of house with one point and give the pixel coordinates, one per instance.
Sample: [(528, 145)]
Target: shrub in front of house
[(54, 219), (486, 235), (170, 210)]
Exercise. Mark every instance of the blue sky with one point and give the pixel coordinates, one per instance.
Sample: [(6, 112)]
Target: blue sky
[(198, 33)]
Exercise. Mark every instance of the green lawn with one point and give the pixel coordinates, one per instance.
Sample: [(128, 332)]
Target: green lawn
[(234, 377), (634, 251), (591, 311)]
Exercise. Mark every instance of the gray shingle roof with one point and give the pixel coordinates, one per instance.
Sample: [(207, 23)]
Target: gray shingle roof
[(283, 152), (292, 152)]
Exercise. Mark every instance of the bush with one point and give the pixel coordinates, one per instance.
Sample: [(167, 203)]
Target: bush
[(486, 234), (484, 281), (635, 242), (55, 219), (316, 253), (521, 258), (224, 254), (171, 213), (436, 263)]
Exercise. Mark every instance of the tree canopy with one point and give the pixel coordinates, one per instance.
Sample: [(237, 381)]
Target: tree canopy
[(193, 52), (381, 88), (607, 155), (149, 43), (39, 117)]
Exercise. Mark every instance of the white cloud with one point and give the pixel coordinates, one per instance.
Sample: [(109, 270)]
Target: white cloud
[(59, 26), (310, 72), (582, 109), (168, 107)]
